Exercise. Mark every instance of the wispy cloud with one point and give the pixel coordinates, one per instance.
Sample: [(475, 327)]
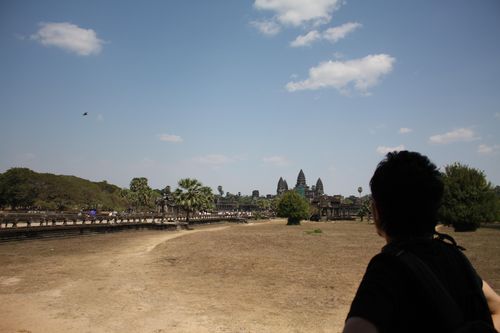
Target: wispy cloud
[(382, 150), (69, 37), (361, 73), (307, 39), (170, 138), (297, 13), (487, 150), (333, 35), (405, 130), (276, 160), (458, 135), (268, 28), (337, 33)]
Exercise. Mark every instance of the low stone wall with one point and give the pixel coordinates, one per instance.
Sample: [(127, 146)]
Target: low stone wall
[(17, 226), (27, 220)]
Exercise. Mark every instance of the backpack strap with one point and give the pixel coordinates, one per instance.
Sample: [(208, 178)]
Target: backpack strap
[(445, 238)]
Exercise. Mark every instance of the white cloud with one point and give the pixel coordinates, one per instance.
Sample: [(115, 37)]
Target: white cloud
[(337, 33), (170, 138), (214, 159), (487, 150), (276, 160), (269, 28), (497, 115), (307, 39), (405, 130), (297, 12), (382, 150), (69, 37), (333, 35), (362, 73), (458, 135)]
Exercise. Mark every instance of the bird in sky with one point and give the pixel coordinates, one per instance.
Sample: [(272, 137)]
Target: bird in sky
[(85, 113)]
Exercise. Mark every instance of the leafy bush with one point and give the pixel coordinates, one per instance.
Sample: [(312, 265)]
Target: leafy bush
[(294, 207), (468, 199)]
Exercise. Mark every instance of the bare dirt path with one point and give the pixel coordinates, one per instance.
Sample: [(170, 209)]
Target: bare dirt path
[(262, 277), (80, 287)]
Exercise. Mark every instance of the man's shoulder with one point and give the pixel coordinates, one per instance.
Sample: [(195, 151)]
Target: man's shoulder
[(385, 274), (383, 263)]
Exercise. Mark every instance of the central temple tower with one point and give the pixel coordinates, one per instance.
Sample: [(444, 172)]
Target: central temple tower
[(301, 179)]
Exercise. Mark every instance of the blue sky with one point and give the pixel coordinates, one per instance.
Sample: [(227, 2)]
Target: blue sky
[(240, 93)]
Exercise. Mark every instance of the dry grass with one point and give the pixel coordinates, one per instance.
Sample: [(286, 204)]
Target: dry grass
[(263, 277)]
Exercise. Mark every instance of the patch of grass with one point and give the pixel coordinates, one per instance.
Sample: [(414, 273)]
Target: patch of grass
[(314, 232)]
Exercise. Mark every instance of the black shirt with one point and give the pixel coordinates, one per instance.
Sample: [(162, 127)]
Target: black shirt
[(392, 299)]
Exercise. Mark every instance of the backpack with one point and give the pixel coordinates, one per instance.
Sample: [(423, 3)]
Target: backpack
[(443, 303)]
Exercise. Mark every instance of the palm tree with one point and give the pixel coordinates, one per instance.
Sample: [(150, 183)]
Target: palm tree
[(207, 199), (191, 195)]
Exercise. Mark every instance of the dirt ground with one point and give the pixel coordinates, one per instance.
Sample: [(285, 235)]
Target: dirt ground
[(256, 277)]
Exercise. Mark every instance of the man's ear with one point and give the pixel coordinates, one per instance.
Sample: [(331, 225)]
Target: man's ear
[(376, 216), (376, 219)]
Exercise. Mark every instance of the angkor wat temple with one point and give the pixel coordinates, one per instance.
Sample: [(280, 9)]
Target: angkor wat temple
[(301, 187), (327, 207)]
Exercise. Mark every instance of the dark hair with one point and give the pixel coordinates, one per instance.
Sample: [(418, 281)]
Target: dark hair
[(407, 190)]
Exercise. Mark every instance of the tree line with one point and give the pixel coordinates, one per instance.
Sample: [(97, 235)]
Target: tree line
[(24, 189), (469, 199)]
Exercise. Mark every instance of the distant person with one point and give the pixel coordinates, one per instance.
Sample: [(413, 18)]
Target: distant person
[(406, 190)]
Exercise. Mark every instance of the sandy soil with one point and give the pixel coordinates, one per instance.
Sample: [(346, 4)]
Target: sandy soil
[(260, 277)]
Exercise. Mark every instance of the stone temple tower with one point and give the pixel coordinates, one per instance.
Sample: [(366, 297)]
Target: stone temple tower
[(301, 180), (282, 186), (319, 188), (301, 186)]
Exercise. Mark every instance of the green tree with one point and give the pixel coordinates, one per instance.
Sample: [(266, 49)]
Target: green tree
[(24, 188), (207, 202), (192, 196), (264, 204), (273, 205), (141, 194), (364, 209), (294, 207), (18, 188), (497, 194), (468, 199), (166, 191)]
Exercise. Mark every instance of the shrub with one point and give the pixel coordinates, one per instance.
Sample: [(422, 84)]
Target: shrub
[(468, 199), (294, 207)]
